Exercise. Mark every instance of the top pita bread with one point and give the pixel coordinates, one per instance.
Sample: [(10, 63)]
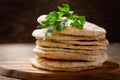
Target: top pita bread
[(39, 34), (88, 30)]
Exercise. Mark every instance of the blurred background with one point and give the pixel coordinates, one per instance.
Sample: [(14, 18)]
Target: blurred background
[(18, 17)]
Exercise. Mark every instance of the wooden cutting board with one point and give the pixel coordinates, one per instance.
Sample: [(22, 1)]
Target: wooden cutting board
[(23, 69), (15, 62)]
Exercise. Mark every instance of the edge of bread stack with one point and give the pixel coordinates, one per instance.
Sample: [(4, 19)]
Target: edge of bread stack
[(71, 49)]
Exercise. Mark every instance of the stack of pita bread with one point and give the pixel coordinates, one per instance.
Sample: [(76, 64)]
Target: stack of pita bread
[(71, 49)]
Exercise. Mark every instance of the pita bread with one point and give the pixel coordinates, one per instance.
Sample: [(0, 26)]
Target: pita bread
[(39, 34), (38, 65), (67, 56), (69, 64), (86, 52), (89, 29), (99, 43), (68, 46)]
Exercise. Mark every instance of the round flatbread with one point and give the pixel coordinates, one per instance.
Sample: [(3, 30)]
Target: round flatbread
[(56, 65), (68, 46), (79, 51), (36, 64), (67, 56), (69, 64), (39, 34), (96, 43), (89, 29)]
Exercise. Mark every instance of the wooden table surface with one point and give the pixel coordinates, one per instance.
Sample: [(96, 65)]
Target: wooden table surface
[(13, 51)]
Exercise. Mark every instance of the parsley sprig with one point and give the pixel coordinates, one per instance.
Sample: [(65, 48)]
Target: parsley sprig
[(54, 20)]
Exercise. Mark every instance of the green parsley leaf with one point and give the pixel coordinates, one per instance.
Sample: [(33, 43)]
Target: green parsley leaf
[(77, 24), (72, 16), (82, 19), (52, 16), (65, 9), (46, 24), (41, 26), (49, 32), (59, 14), (38, 26), (60, 25)]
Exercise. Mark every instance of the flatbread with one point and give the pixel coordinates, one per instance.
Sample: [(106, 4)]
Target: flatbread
[(67, 46), (67, 56), (96, 43), (39, 34), (38, 65), (79, 51), (89, 29), (67, 64)]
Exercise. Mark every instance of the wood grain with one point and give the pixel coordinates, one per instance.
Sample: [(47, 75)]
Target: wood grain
[(15, 62)]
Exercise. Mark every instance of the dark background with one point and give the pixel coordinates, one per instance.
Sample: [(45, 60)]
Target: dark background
[(18, 17)]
